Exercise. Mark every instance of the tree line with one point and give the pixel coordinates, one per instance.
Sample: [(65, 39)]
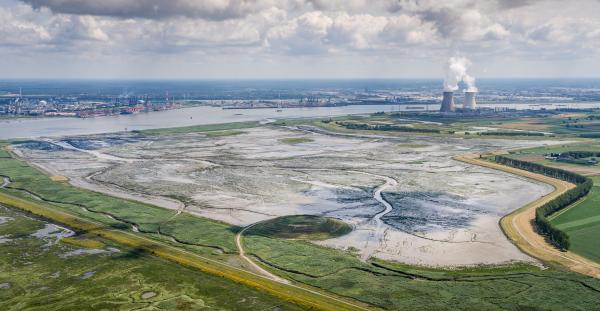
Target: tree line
[(385, 127), (515, 133), (590, 135), (583, 185), (580, 154)]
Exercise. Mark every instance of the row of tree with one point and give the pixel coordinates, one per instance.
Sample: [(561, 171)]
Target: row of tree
[(385, 127), (583, 185), (590, 135), (580, 154), (515, 133)]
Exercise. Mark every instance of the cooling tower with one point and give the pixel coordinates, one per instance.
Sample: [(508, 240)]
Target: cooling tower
[(447, 102), (469, 101)]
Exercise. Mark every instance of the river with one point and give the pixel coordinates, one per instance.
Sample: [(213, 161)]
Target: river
[(49, 127)]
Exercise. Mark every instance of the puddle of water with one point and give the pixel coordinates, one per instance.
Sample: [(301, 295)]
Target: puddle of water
[(148, 295), (52, 234), (5, 219), (4, 239), (84, 251), (88, 275)]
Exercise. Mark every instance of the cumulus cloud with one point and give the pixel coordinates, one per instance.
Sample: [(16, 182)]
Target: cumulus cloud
[(266, 29), (315, 32), (154, 9)]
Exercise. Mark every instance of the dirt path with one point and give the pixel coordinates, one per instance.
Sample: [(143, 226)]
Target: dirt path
[(518, 226), (255, 267)]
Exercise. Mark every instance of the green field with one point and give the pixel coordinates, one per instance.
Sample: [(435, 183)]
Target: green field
[(582, 224), (35, 277), (296, 140), (202, 234), (223, 133), (397, 286), (201, 128), (303, 227)]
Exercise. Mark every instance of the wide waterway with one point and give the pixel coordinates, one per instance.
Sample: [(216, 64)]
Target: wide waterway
[(47, 127)]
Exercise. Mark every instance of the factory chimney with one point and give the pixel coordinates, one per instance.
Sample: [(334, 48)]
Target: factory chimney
[(447, 102), (469, 103)]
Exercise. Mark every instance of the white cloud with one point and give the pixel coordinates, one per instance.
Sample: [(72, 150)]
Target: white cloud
[(154, 9), (271, 30)]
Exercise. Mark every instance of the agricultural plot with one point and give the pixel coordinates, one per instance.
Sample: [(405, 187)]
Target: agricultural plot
[(582, 223)]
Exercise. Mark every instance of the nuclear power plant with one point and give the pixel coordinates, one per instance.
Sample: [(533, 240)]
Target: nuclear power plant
[(449, 106), (456, 72), (469, 103), (448, 102)]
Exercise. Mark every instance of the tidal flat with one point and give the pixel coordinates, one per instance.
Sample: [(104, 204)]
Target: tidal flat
[(441, 212)]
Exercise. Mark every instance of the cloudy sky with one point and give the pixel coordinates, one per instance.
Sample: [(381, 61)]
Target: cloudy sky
[(204, 39)]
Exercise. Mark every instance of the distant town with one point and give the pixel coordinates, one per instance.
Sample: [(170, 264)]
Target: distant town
[(20, 105), (86, 99)]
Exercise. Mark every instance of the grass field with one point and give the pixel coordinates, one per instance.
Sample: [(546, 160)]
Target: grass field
[(397, 286), (201, 128), (202, 232), (582, 223), (296, 140), (38, 277), (303, 227), (223, 133)]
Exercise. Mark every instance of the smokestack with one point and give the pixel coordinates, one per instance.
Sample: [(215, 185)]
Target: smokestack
[(447, 102), (469, 101)]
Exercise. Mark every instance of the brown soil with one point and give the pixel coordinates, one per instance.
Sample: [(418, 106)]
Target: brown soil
[(532, 125)]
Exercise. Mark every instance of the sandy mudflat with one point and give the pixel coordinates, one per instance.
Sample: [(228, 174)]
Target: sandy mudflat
[(444, 212)]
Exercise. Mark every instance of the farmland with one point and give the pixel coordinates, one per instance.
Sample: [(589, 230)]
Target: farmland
[(582, 223)]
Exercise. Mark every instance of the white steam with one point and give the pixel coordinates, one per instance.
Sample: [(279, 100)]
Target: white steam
[(456, 71)]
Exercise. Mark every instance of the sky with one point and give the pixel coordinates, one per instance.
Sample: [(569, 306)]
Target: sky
[(297, 39)]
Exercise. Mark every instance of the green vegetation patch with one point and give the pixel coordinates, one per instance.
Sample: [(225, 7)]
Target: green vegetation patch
[(27, 182), (409, 145), (201, 128), (296, 140), (213, 134), (394, 286), (301, 227), (581, 222), (37, 276), (83, 242)]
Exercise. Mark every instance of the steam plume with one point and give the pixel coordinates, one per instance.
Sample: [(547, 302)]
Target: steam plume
[(456, 71)]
